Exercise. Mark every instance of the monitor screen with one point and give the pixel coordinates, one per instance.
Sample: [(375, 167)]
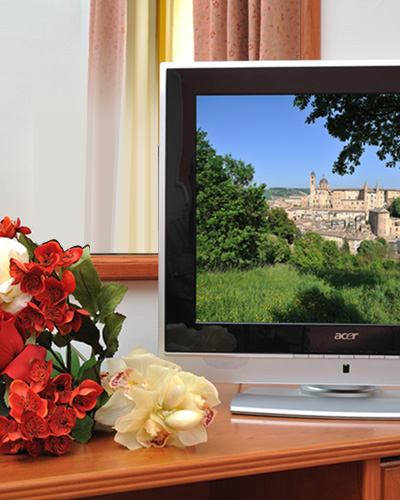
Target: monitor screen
[(280, 221)]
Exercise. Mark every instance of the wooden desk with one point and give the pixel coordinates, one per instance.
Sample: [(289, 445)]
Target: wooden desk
[(245, 457)]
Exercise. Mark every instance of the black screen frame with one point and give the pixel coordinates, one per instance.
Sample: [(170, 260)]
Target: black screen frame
[(182, 87)]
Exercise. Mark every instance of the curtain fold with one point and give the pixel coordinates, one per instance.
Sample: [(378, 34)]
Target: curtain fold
[(158, 31), (107, 40), (137, 228), (227, 30)]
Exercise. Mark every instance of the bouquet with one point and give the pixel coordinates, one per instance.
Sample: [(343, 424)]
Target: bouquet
[(51, 300)]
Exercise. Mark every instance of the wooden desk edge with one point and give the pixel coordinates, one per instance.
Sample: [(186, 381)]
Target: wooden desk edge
[(162, 475)]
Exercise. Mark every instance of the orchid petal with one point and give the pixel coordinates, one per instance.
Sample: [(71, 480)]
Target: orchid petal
[(202, 386), (115, 365), (117, 406), (143, 398), (140, 359), (132, 422), (127, 439), (193, 436)]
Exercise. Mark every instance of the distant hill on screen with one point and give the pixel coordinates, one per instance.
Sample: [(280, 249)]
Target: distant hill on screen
[(280, 192)]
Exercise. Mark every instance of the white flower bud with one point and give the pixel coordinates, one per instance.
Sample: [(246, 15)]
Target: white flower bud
[(182, 420)]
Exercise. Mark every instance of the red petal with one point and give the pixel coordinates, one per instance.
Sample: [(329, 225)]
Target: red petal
[(19, 368)]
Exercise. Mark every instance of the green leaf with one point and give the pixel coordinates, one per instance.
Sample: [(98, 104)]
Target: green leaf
[(31, 340), (3, 398), (112, 328), (60, 340), (88, 285), (75, 363), (93, 372), (82, 431), (28, 244), (102, 399), (45, 339), (56, 362), (89, 334), (87, 365), (109, 297)]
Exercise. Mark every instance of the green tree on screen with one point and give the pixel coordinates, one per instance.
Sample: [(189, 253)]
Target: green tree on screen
[(230, 209), (396, 208), (358, 120)]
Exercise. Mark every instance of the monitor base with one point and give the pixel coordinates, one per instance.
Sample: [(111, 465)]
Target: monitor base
[(331, 402)]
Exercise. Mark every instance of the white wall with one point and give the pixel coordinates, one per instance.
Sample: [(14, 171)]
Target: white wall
[(43, 107), (360, 29)]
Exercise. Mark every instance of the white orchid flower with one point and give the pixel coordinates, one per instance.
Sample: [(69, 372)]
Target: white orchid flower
[(142, 427), (159, 405)]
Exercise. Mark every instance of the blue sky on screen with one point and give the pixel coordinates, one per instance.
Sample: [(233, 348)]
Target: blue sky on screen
[(270, 133)]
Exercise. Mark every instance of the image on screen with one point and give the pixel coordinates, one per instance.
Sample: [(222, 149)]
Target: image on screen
[(297, 209)]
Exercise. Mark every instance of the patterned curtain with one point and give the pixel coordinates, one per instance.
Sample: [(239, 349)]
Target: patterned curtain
[(107, 42), (238, 30)]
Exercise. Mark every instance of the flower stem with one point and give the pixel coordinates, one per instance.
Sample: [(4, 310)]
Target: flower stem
[(61, 366)]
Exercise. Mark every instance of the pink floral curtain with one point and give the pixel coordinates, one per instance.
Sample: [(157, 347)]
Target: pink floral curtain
[(107, 43), (238, 30)]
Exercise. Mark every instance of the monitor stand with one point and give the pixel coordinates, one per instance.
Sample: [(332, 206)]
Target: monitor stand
[(333, 402)]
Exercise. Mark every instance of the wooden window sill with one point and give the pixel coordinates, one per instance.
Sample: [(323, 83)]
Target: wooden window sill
[(124, 267)]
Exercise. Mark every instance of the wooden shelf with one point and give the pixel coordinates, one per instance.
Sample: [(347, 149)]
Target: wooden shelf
[(238, 447)]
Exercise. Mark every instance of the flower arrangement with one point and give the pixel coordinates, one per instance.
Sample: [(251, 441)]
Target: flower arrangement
[(153, 403), (51, 300)]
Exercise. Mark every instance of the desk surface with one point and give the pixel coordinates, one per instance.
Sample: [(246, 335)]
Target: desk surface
[(237, 446)]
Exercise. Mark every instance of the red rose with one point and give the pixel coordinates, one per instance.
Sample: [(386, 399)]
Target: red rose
[(14, 354), (11, 339)]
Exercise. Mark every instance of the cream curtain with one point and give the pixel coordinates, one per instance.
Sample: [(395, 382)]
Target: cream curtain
[(157, 30), (136, 231), (128, 40)]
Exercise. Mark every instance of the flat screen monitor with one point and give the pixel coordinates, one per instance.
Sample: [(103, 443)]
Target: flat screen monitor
[(279, 232)]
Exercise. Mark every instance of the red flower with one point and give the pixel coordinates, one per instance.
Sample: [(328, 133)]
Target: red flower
[(62, 386), (84, 397), (71, 256), (49, 255), (55, 290), (8, 228), (17, 270), (56, 315), (33, 426), (62, 421), (39, 372), (33, 280), (23, 399), (75, 322), (32, 318), (34, 446), (11, 446), (57, 444), (9, 429)]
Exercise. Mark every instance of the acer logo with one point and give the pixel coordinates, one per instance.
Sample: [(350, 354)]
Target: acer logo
[(346, 336)]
